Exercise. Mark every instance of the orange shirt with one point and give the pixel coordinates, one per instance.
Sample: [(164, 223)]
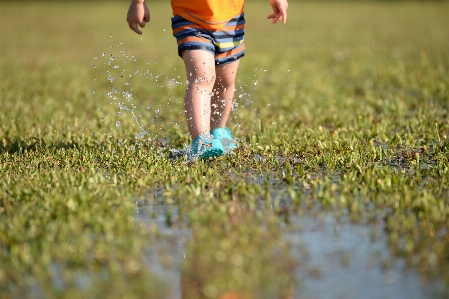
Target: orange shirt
[(210, 14)]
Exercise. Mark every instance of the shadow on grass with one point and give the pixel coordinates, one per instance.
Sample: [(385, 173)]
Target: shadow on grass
[(19, 145)]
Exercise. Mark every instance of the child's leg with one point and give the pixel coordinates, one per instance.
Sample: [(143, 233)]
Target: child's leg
[(200, 70), (223, 94)]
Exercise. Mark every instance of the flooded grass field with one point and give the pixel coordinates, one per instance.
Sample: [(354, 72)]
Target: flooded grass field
[(339, 188)]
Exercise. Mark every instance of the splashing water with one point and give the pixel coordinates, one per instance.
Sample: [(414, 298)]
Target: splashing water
[(123, 97), (114, 66)]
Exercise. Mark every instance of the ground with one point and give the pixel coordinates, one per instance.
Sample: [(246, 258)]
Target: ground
[(341, 114)]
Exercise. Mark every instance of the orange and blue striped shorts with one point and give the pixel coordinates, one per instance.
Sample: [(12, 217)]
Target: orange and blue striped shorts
[(226, 44)]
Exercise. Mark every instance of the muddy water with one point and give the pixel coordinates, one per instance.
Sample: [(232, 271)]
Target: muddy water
[(332, 258)]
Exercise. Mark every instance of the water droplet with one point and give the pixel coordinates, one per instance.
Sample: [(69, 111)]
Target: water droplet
[(127, 95), (140, 135)]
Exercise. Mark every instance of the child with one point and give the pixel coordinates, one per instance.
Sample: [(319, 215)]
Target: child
[(210, 36)]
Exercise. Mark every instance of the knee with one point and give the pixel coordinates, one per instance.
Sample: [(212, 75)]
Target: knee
[(225, 82), (201, 82)]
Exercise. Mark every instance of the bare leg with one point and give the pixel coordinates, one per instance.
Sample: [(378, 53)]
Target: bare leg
[(200, 70), (223, 94)]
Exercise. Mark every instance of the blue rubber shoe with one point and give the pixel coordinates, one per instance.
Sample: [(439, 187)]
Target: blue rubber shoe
[(207, 146), (225, 137)]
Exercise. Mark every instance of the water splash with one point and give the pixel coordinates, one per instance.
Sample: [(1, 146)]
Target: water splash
[(115, 66)]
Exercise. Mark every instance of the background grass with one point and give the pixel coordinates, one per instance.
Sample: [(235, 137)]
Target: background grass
[(343, 109)]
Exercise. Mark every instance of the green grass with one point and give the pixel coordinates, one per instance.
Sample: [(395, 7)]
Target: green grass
[(343, 109)]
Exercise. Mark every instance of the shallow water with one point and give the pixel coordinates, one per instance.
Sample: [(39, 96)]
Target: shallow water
[(346, 260), (334, 258), (164, 258)]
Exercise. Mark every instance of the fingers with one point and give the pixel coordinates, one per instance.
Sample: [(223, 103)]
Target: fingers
[(278, 16), (283, 14), (275, 16), (279, 11), (138, 15), (134, 27)]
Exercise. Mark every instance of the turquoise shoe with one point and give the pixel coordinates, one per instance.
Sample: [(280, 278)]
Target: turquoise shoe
[(225, 137), (207, 146)]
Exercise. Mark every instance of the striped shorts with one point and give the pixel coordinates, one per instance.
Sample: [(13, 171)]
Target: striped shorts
[(226, 44)]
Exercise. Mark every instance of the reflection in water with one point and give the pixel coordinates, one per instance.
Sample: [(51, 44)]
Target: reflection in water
[(238, 251), (340, 259), (165, 257)]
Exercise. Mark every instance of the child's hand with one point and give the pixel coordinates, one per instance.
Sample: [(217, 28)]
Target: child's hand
[(279, 11), (138, 14)]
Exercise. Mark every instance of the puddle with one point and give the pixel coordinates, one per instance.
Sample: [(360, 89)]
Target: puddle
[(334, 258), (340, 259), (165, 256)]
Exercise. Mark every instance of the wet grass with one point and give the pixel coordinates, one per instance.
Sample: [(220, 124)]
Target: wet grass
[(341, 111)]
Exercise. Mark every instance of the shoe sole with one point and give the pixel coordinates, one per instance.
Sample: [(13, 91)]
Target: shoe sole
[(212, 153)]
